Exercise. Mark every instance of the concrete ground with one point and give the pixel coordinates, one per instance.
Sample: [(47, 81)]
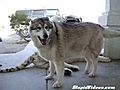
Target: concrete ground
[(108, 74)]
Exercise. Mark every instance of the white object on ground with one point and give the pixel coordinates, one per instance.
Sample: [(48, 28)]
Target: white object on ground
[(10, 60)]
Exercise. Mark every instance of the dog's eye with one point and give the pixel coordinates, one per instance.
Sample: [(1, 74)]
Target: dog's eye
[(39, 28), (46, 27), (50, 27)]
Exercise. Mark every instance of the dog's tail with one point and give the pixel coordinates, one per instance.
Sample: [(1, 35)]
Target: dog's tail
[(110, 33), (19, 67)]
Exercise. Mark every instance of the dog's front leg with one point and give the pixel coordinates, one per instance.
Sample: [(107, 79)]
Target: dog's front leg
[(59, 66), (51, 69)]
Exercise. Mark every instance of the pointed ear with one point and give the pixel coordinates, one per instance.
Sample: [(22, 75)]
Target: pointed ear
[(32, 20), (46, 18)]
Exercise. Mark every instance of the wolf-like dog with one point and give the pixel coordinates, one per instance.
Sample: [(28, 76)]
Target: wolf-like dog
[(58, 41)]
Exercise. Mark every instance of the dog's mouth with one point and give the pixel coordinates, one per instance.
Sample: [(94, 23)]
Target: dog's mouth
[(43, 41)]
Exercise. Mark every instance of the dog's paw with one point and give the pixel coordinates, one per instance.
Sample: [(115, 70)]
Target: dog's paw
[(49, 77), (57, 84), (67, 72), (91, 75)]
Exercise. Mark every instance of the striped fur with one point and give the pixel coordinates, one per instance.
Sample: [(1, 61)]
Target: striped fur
[(38, 62), (27, 62)]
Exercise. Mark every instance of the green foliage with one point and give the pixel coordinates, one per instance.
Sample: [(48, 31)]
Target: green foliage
[(17, 19)]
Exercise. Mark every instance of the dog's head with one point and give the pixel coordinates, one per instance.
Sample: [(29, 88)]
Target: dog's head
[(40, 29)]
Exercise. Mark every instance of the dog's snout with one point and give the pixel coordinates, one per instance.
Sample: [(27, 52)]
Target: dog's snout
[(45, 35)]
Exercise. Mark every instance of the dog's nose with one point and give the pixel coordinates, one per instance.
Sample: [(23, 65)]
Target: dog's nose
[(45, 36)]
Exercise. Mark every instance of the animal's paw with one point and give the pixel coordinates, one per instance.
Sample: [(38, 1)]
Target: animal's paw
[(74, 68), (57, 84), (49, 77), (91, 75), (67, 72)]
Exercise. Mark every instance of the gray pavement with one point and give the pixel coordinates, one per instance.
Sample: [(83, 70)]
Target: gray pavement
[(30, 79), (108, 74)]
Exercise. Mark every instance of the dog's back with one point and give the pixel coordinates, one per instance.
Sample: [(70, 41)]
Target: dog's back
[(81, 37)]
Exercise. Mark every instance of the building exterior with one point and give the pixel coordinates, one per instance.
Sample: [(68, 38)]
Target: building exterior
[(111, 19), (33, 13)]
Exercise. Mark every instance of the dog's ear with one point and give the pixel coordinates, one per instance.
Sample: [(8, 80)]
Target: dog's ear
[(46, 18), (32, 20), (54, 26)]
